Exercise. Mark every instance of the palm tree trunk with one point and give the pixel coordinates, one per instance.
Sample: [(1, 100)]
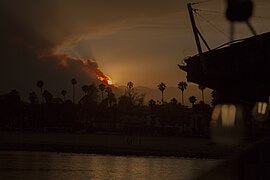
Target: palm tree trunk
[(102, 95), (182, 97), (41, 91), (73, 94), (162, 99)]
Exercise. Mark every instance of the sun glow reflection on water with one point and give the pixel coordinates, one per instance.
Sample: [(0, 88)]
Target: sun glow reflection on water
[(38, 165)]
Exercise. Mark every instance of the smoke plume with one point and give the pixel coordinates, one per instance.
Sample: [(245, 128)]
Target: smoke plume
[(28, 56)]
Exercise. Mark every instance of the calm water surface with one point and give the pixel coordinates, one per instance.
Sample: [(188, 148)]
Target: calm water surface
[(43, 165)]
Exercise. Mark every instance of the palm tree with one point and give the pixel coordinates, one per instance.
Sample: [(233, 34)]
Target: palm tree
[(162, 88), (102, 88), (74, 82), (202, 88), (182, 86), (40, 85), (85, 89), (64, 92), (192, 100)]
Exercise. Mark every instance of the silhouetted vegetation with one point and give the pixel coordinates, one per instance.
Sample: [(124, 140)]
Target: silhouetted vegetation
[(74, 82), (99, 110), (202, 88), (182, 86), (192, 100), (162, 88)]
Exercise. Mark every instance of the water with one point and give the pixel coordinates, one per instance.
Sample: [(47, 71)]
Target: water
[(44, 165)]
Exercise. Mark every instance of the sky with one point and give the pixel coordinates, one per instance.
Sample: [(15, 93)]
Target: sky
[(139, 41)]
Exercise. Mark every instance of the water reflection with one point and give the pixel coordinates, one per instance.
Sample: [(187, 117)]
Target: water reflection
[(41, 165)]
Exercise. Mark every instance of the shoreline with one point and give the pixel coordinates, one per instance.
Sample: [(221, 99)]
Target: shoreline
[(109, 151), (111, 144)]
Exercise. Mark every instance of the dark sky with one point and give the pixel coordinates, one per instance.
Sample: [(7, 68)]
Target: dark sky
[(140, 41)]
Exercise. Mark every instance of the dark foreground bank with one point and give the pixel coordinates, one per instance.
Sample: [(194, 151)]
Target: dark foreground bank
[(116, 144)]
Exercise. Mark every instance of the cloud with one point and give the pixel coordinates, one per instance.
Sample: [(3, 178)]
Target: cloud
[(36, 34), (27, 55)]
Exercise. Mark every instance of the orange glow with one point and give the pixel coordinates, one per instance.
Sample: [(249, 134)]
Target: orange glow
[(106, 79), (109, 82)]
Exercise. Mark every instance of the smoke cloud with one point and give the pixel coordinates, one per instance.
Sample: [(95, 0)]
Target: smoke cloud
[(27, 55)]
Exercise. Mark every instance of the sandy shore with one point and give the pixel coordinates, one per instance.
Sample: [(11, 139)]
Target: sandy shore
[(115, 144)]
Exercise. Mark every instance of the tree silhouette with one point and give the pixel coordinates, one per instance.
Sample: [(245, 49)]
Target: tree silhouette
[(102, 88), (162, 88), (74, 82), (92, 92), (202, 88), (182, 86), (152, 104), (124, 103), (111, 99), (110, 96), (192, 100), (47, 96), (32, 97), (135, 97), (40, 85), (64, 92), (173, 101), (108, 90), (85, 89), (87, 105)]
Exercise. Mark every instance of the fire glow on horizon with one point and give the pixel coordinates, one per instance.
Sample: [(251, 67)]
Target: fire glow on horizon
[(89, 66), (106, 79)]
